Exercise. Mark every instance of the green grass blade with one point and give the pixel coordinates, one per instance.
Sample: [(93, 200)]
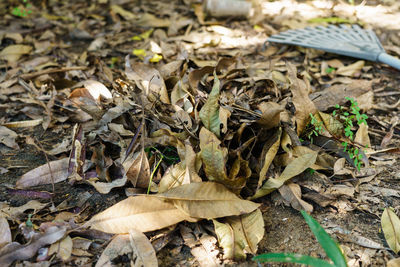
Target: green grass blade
[(292, 258), (331, 248)]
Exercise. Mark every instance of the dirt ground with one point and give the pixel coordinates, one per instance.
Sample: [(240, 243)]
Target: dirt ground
[(354, 220)]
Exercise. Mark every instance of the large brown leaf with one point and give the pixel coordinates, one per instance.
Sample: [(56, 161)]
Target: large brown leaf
[(207, 200), (239, 235), (304, 106), (135, 243), (143, 213), (43, 175), (295, 167)]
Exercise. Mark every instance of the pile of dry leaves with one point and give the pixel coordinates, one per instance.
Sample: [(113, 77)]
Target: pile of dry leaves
[(190, 119)]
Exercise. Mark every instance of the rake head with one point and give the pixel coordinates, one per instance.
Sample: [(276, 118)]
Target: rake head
[(350, 41)]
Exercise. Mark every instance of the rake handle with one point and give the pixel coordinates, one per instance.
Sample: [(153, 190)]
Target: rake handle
[(388, 59)]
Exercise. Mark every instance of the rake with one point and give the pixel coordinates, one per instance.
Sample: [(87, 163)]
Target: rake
[(350, 41)]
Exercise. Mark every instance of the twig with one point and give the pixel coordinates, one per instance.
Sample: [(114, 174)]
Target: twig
[(48, 71)]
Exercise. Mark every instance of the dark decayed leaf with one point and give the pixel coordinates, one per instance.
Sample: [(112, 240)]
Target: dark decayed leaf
[(15, 251)]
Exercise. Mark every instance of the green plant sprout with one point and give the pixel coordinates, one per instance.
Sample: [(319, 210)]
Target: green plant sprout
[(316, 128), (22, 11), (347, 118), (168, 155), (330, 247)]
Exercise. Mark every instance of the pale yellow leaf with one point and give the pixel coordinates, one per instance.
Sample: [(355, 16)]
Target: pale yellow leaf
[(14, 52), (136, 244), (8, 137), (5, 232), (351, 69), (62, 248), (207, 200), (143, 213), (240, 234), (391, 229)]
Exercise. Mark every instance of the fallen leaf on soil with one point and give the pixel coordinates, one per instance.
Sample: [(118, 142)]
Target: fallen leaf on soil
[(63, 248), (207, 200), (291, 194), (202, 246), (5, 232), (270, 117), (43, 175), (268, 154), (143, 213), (139, 171), (97, 89), (337, 94), (21, 124), (294, 168), (8, 137), (390, 226), (209, 113), (15, 251), (105, 188), (352, 69), (394, 263), (14, 52), (304, 106), (135, 245), (239, 235), (15, 212), (149, 80)]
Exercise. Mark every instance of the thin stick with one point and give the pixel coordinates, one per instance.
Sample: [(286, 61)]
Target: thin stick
[(48, 71)]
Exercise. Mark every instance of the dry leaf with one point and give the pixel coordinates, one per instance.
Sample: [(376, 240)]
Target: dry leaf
[(391, 228), (14, 213), (268, 154), (304, 106), (135, 243), (352, 69), (294, 168), (393, 263), (207, 200), (139, 171), (42, 174), (14, 52), (240, 234), (143, 213), (270, 117), (149, 80), (105, 188), (15, 251), (63, 248), (8, 137), (5, 232), (209, 113), (291, 194)]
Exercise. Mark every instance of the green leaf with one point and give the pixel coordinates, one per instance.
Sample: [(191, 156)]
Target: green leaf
[(292, 258), (209, 113), (331, 248)]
